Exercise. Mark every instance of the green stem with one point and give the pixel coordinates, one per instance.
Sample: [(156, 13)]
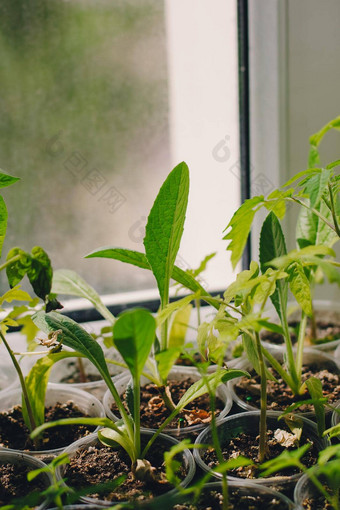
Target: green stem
[(333, 210), (289, 350), (300, 345), (10, 261), (278, 367), (136, 413), (169, 404), (315, 211), (120, 406), (32, 423), (263, 413)]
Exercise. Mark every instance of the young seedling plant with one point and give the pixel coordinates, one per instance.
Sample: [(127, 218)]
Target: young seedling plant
[(134, 334)]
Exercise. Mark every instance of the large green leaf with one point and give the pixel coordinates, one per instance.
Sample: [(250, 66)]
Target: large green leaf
[(164, 229), (312, 230), (134, 333), (40, 272), (300, 287), (36, 384), (73, 336), (317, 185), (3, 222), (240, 225), (273, 245), (139, 259), (69, 282), (17, 270)]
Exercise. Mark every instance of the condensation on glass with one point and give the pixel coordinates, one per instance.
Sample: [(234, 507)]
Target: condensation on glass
[(99, 100)]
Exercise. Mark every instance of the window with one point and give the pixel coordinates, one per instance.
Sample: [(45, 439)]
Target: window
[(99, 101)]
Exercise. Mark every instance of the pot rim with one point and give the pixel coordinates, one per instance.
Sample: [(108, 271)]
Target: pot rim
[(51, 388), (201, 439), (222, 391), (93, 438)]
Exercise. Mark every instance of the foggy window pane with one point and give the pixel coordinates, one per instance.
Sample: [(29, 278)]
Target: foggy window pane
[(85, 123)]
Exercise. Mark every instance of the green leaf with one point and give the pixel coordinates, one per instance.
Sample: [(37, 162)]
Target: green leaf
[(311, 230), (16, 270), (240, 225), (316, 139), (182, 303), (7, 180), (273, 245), (164, 229), (112, 438), (315, 390), (179, 326), (36, 384), (165, 361), (317, 185), (75, 337), (40, 272), (300, 287), (139, 259), (70, 283), (333, 431), (287, 459), (96, 422), (134, 333), (15, 294), (200, 387)]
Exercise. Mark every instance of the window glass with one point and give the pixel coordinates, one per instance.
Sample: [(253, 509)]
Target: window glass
[(99, 100)]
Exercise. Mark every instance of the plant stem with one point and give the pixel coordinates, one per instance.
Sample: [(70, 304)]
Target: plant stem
[(263, 413), (32, 423), (315, 212), (167, 399), (136, 413), (10, 261), (333, 210), (290, 355), (82, 373), (300, 345)]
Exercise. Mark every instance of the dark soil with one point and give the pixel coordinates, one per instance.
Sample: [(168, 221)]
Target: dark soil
[(213, 500), (153, 411), (326, 331), (100, 465), (279, 396), (14, 484), (247, 444), (15, 434), (316, 503)]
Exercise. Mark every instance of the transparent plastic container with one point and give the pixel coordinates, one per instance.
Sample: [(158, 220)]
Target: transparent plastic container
[(323, 309), (246, 488), (177, 373), (310, 356), (8, 378), (92, 440), (19, 458), (232, 426), (304, 489), (86, 403)]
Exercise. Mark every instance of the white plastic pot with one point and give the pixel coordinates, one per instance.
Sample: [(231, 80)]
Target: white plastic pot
[(232, 426), (176, 373), (92, 440), (309, 356), (19, 458), (86, 403)]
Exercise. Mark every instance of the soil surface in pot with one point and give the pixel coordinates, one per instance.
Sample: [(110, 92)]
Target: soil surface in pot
[(100, 464), (213, 500), (247, 444), (15, 434), (153, 411), (316, 503), (14, 484), (279, 396), (327, 330)]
